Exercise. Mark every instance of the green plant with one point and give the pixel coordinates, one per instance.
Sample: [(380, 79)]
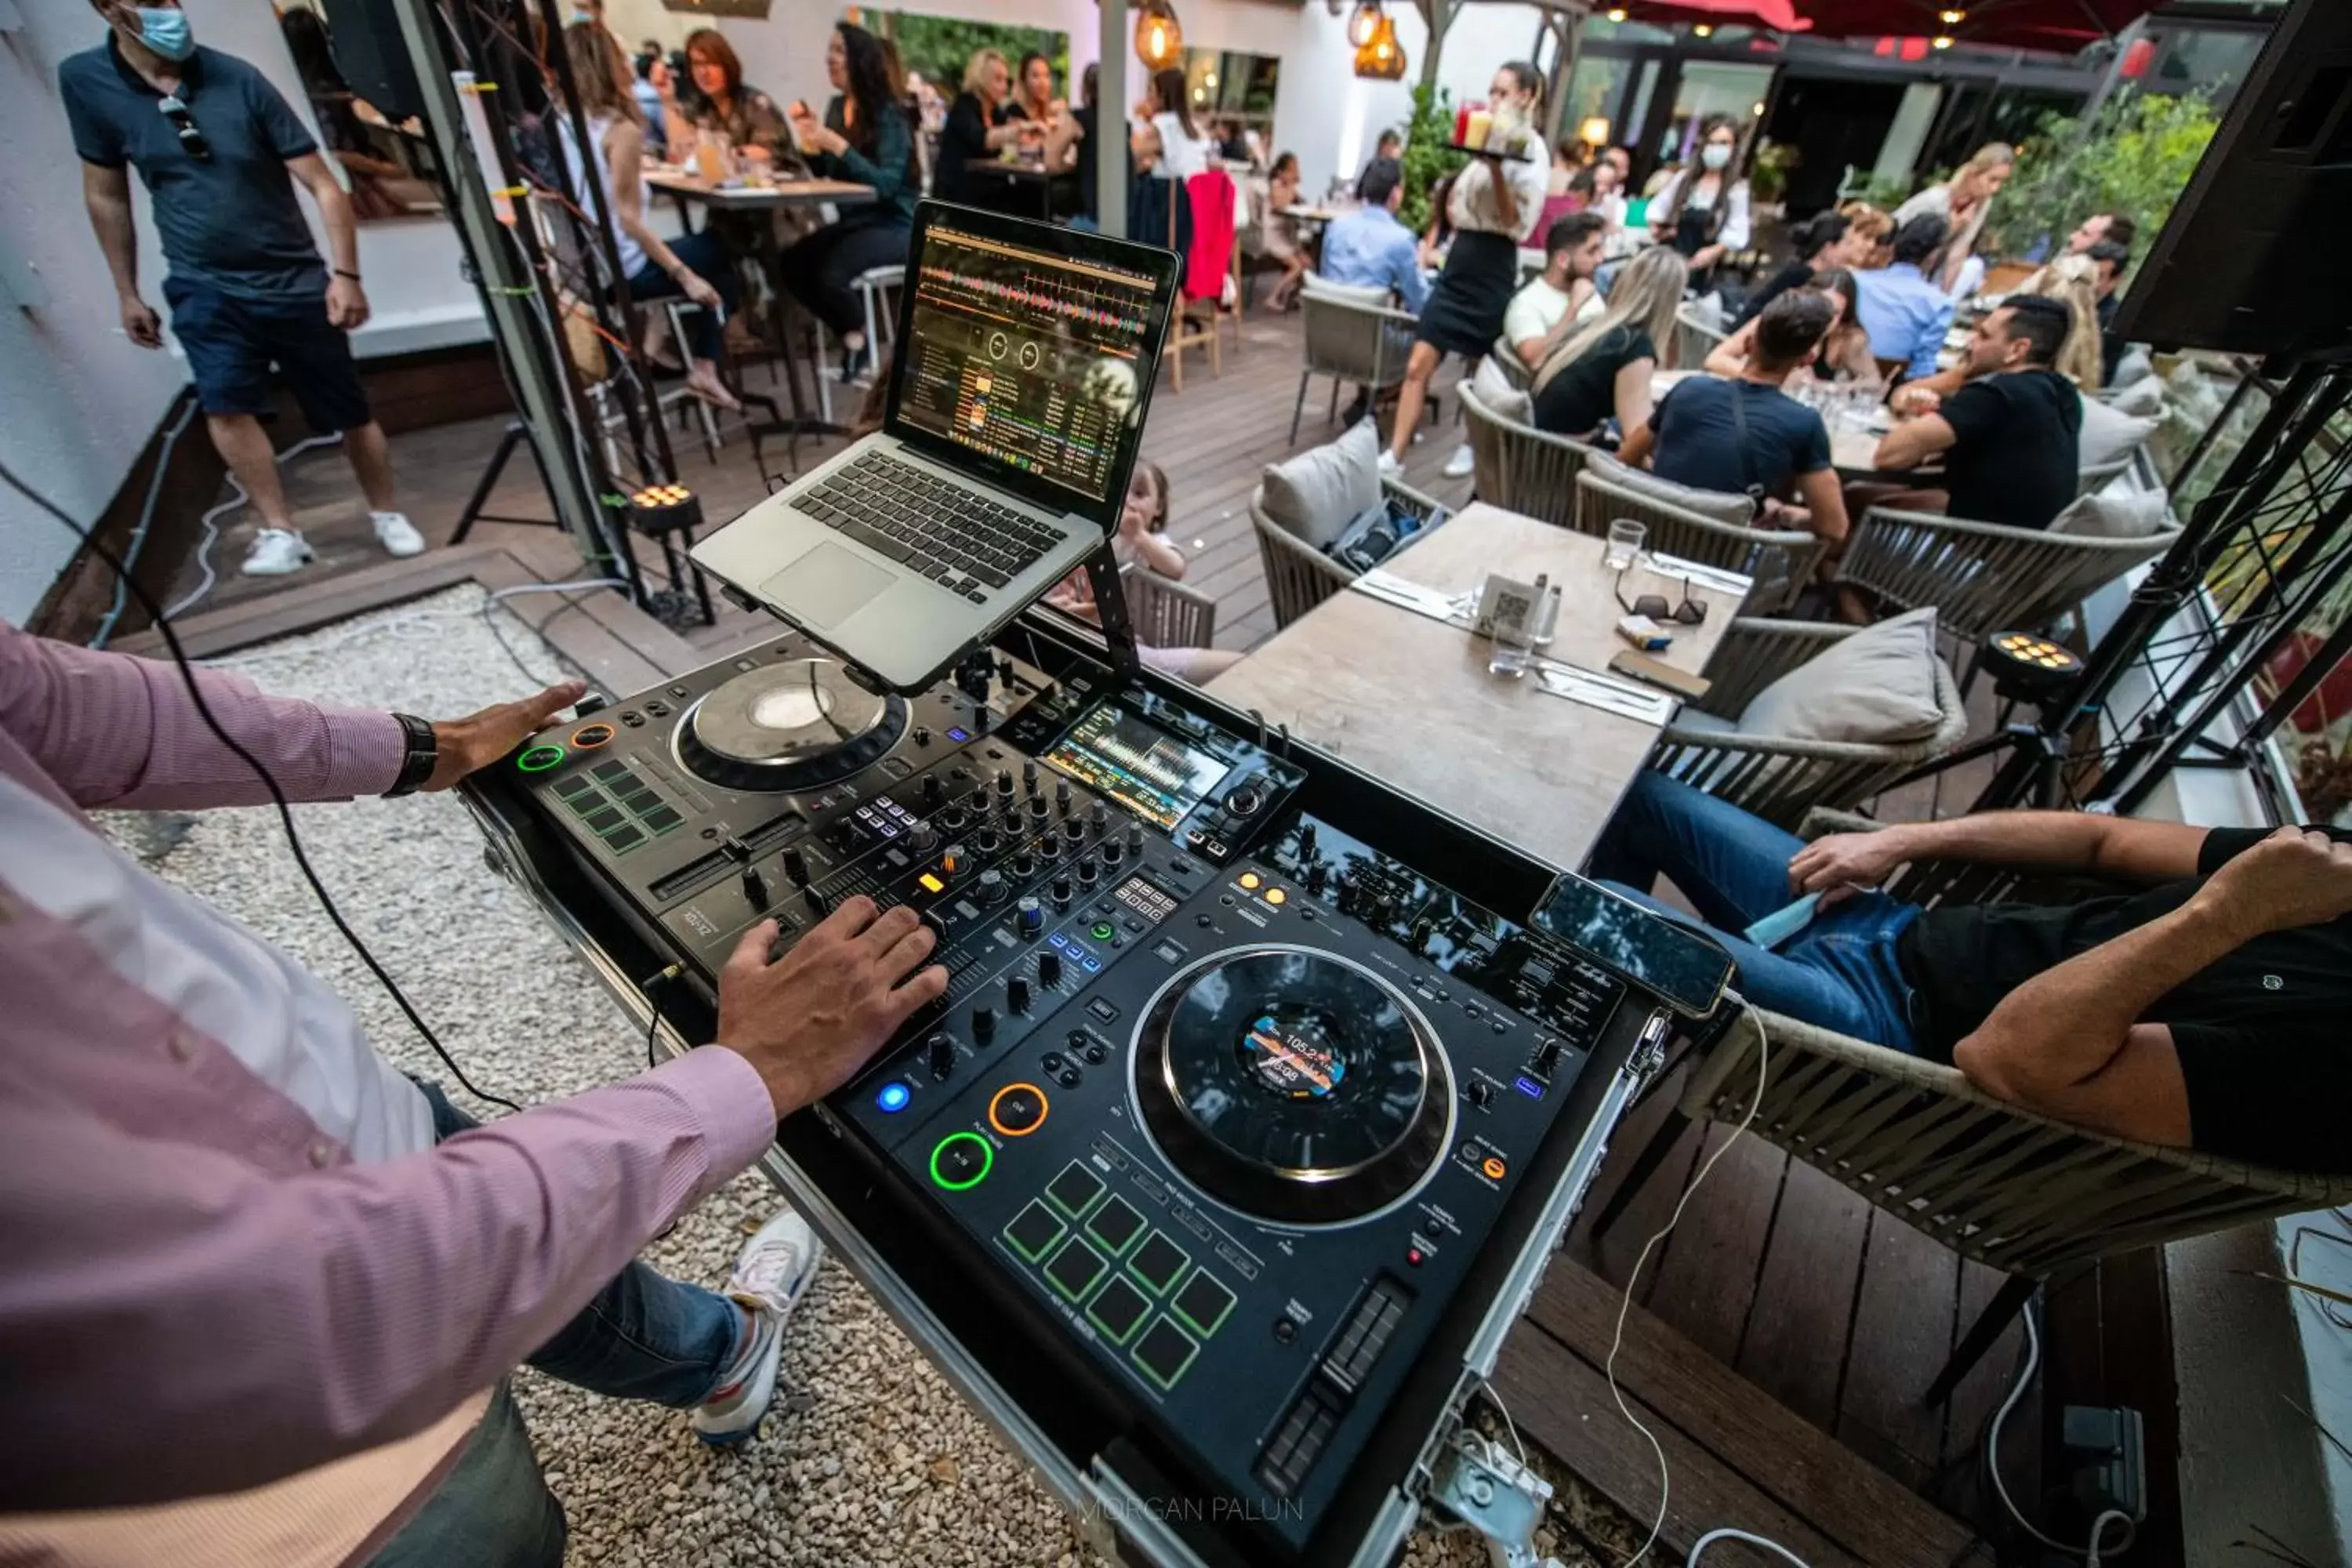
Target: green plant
[(1767, 172), (938, 48), (1429, 154), (1882, 192), (2133, 155)]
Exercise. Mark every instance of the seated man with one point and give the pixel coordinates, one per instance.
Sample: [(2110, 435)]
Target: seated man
[(1562, 294), (1745, 434), (2203, 1009), (1369, 249), (2111, 256), (1906, 312), (2011, 435)]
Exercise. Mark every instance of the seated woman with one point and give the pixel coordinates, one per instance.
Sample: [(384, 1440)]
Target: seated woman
[(977, 128), (695, 264), (1141, 544), (722, 105), (1829, 242), (1168, 144), (1602, 368), (1281, 231), (1844, 356), (1745, 435), (865, 138)]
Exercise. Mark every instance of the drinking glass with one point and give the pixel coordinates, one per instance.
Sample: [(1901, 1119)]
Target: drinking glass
[(1624, 544), (1512, 645)]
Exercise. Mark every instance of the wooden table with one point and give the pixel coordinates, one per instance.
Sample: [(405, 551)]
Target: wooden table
[(690, 190), (1408, 698)]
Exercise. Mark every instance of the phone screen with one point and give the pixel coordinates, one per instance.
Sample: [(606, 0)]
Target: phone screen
[(1682, 965)]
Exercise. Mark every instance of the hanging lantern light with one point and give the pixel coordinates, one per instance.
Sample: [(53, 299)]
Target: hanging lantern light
[(1380, 57), (1158, 39), (1364, 23)]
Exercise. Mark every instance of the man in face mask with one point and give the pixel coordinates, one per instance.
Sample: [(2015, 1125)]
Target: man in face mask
[(220, 151)]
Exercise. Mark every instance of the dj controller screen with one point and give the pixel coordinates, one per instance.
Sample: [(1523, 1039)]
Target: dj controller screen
[(1138, 764), (1027, 357)]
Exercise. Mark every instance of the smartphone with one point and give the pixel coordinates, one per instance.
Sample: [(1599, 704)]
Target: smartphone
[(1680, 963), (1658, 672)]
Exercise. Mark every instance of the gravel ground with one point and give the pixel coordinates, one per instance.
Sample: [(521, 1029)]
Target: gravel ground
[(869, 1458)]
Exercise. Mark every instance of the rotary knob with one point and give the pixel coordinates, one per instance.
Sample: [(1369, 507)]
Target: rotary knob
[(1073, 835), (988, 842), (933, 791), (983, 1023), (1038, 809), (953, 861), (796, 866), (941, 1051), (1029, 915), (921, 838), (1086, 871), (1135, 838), (1004, 781), (1099, 813), (755, 887), (1024, 864), (1062, 794), (1111, 852), (1029, 775), (1061, 891), (1481, 1091), (1049, 969), (1016, 992), (991, 886)]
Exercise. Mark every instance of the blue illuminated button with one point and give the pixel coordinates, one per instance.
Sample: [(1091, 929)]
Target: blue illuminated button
[(1092, 963), (1058, 940), (893, 1098)]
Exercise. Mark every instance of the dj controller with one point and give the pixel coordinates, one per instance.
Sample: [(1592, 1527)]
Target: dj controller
[(1237, 1129)]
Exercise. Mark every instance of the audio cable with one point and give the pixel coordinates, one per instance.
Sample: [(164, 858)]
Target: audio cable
[(268, 782)]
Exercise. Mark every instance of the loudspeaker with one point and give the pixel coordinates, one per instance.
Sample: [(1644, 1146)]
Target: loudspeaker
[(2252, 259), (365, 37)]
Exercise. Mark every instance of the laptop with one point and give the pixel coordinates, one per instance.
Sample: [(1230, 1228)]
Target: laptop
[(1024, 361)]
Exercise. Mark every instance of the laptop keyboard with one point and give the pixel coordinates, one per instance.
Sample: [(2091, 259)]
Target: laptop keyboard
[(958, 538)]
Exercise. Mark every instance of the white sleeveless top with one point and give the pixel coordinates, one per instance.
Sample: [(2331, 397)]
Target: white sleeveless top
[(632, 253)]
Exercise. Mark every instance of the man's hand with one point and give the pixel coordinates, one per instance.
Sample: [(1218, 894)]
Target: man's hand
[(1911, 400), (810, 1021), (476, 742), (2294, 878), (141, 323), (347, 305), (1842, 864)]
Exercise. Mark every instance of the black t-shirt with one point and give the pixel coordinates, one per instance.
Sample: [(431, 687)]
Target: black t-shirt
[(1698, 437), (1085, 168), (2018, 458), (1584, 393), (2111, 347), (2260, 1031), (963, 138)]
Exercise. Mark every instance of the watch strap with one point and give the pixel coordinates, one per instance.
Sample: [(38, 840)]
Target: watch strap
[(421, 750)]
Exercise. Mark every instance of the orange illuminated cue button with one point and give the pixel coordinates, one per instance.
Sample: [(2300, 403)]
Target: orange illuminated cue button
[(1250, 881), (1018, 1109), (1494, 1168), (1275, 896)]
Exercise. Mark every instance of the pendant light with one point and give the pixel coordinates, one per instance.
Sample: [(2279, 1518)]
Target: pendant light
[(1380, 57), (1158, 39), (1364, 23)]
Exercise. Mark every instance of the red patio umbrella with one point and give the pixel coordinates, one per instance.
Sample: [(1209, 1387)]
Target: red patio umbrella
[(2063, 27)]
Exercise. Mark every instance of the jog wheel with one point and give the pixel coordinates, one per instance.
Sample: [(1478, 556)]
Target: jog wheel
[(791, 726), (1293, 1085)]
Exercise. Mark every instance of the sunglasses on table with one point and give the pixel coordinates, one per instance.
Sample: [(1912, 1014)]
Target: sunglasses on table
[(191, 141), (1689, 613)]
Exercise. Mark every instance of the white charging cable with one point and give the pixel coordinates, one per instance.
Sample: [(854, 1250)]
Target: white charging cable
[(211, 522), (2090, 1553)]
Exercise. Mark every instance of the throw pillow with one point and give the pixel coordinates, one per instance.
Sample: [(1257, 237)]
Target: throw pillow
[(1877, 686), (1352, 293), (2140, 399), (1504, 397), (2136, 365), (2105, 514), (1715, 504), (1317, 493), (2109, 434)]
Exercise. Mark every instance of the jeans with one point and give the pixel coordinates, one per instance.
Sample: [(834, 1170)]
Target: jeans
[(642, 1337), (818, 270), (1839, 973), (705, 255)]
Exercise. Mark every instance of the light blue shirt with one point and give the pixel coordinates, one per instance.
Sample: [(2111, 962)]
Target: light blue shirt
[(1369, 246), (1904, 316)]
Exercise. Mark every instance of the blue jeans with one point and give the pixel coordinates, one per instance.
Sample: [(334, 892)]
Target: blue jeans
[(644, 1336), (1839, 973)]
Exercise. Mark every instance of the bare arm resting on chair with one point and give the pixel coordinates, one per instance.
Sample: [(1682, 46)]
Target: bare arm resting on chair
[(2121, 847)]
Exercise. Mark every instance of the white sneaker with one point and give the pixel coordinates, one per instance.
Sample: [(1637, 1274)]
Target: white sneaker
[(399, 536), (770, 1276), (1389, 468), (1458, 466), (277, 552)]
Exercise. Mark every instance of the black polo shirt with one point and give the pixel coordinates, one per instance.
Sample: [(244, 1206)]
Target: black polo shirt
[(229, 221), (2260, 1031), (2016, 455)]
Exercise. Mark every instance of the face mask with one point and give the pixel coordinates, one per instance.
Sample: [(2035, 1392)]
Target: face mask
[(1716, 157), (579, 15), (164, 29)]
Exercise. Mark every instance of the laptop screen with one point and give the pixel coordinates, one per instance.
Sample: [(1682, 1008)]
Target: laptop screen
[(1037, 361)]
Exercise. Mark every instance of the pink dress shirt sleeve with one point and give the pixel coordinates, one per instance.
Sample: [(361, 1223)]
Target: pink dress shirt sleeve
[(177, 1323), (114, 731)]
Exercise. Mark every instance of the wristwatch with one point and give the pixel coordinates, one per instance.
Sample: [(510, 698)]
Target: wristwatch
[(421, 751)]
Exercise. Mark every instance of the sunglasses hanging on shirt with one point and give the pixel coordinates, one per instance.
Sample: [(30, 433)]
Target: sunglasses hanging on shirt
[(191, 141)]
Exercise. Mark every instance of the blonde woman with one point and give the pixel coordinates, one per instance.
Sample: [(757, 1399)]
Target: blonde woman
[(2073, 281), (1962, 202), (1603, 368), (978, 125), (1873, 233)]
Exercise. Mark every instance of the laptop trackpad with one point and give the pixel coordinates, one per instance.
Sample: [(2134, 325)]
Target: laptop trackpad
[(825, 586)]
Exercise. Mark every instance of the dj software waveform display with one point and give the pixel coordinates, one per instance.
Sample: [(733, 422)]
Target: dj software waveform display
[(1143, 768), (1026, 357)]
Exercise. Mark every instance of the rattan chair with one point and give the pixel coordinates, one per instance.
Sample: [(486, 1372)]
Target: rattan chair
[(1515, 369), (1517, 466), (1983, 577), (1773, 777), (1298, 576), (1165, 613), (1694, 339), (2015, 1191), (1366, 345), (1781, 560)]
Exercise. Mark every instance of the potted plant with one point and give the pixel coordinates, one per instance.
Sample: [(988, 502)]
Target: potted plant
[(2133, 155), (1429, 154)]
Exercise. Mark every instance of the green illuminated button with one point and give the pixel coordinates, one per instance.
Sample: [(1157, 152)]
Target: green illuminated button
[(539, 759), (961, 1160), (1117, 1309), (1158, 1262), (1103, 930), (1203, 1303), (1115, 1225), (1075, 1268), (1073, 1189), (1164, 1351), (1032, 1230)]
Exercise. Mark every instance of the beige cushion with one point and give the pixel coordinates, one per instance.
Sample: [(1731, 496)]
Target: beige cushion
[(1738, 511), (1317, 493), (2111, 514), (1493, 387), (2135, 365), (1352, 293), (2140, 399), (2109, 434), (1877, 686)]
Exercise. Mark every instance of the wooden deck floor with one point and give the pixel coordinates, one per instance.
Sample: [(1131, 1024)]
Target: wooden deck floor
[(1781, 1334)]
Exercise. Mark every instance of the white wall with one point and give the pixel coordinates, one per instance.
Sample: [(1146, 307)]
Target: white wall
[(77, 402)]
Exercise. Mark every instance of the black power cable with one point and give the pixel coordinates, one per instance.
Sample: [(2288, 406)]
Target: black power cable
[(276, 796)]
